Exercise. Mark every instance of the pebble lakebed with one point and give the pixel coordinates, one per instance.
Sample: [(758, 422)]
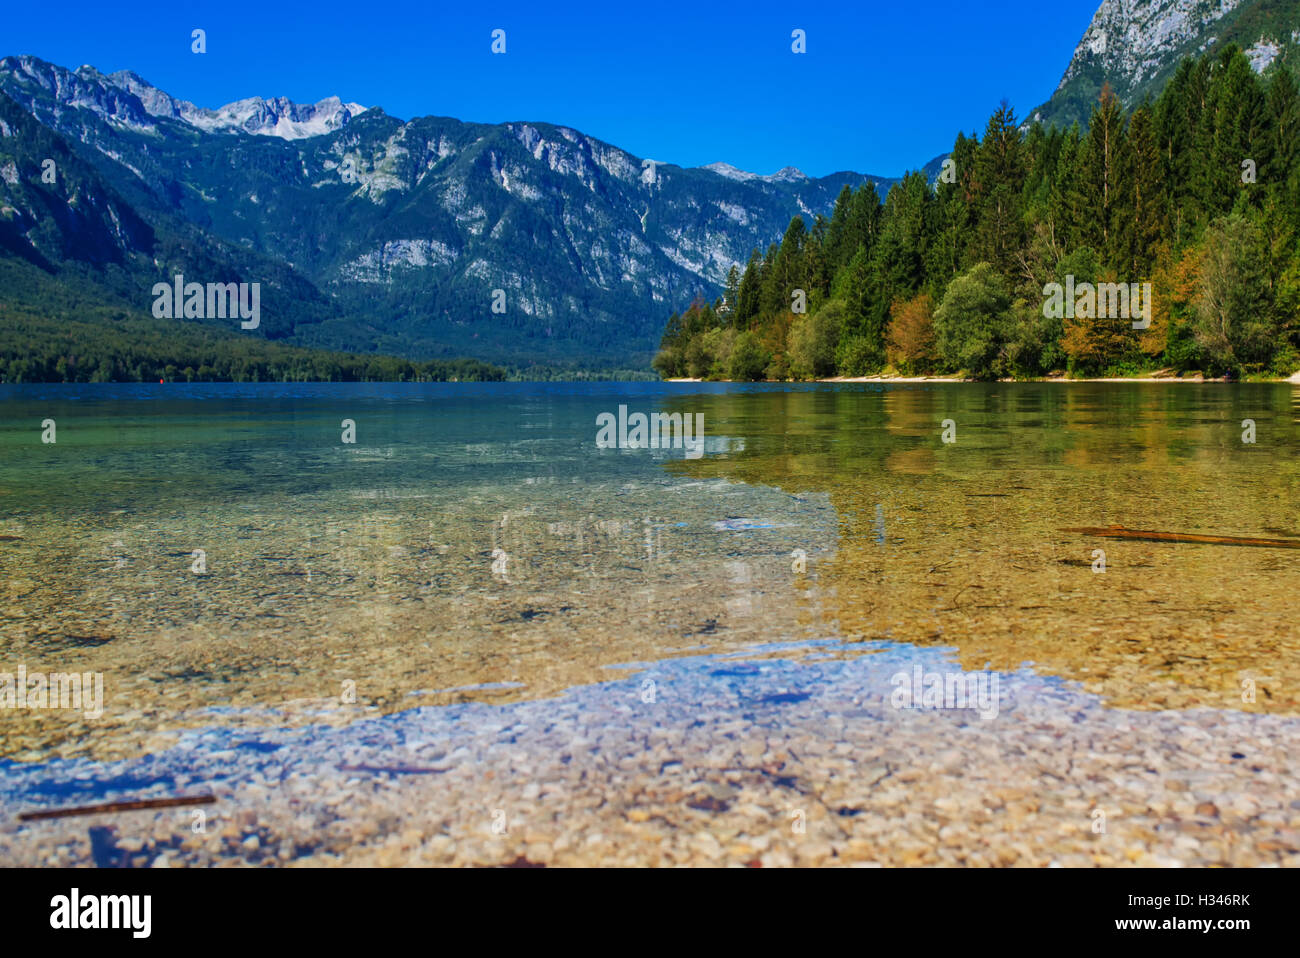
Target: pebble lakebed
[(782, 755)]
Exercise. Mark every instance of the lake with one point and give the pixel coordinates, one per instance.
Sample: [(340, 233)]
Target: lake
[(853, 626)]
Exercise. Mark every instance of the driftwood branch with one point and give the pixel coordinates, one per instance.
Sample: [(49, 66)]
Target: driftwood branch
[(117, 807), (1119, 532)]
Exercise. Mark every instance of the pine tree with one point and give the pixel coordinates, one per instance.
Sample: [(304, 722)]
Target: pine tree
[(769, 292), (951, 213), (1140, 219), (851, 288), (837, 231), (999, 179), (816, 265), (1236, 115), (747, 295), (788, 269), (1279, 170), (863, 222), (732, 295), (1100, 172), (898, 262), (1198, 181), (1063, 205)]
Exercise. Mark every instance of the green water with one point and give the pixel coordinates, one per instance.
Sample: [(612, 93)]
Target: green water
[(475, 535)]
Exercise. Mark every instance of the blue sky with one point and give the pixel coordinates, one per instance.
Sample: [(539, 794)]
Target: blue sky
[(883, 87)]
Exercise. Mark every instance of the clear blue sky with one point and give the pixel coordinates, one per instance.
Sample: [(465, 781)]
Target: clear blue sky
[(883, 87)]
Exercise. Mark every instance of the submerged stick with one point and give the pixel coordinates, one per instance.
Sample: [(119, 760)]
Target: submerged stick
[(117, 807), (1119, 532)]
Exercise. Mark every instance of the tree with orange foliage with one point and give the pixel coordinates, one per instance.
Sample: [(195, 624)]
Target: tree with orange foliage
[(911, 334)]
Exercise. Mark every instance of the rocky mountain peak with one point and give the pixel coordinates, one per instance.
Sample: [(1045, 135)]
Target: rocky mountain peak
[(128, 99), (1135, 46), (787, 174)]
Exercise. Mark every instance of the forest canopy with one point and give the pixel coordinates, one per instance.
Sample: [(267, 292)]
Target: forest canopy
[(35, 348), (1196, 194)]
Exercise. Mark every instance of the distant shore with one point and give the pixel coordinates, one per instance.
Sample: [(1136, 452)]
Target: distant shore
[(1294, 378)]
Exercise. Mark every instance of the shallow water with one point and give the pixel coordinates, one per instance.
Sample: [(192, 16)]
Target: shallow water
[(475, 546)]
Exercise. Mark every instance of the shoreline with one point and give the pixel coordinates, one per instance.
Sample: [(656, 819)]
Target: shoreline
[(1294, 379)]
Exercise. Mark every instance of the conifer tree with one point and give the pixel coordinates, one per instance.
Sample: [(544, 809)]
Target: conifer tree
[(1100, 172), (951, 212), (837, 231), (732, 295), (1279, 170), (1140, 218), (1236, 115), (747, 295), (1064, 206), (787, 269), (863, 221), (999, 179)]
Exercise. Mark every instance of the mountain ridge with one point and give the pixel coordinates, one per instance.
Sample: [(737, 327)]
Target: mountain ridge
[(410, 226)]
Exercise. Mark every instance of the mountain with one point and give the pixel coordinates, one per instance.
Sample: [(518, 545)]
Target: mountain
[(78, 219), (402, 232), (275, 117), (82, 231), (1135, 46)]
